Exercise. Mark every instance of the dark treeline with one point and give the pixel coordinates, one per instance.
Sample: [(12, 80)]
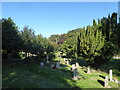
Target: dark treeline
[(97, 43), (15, 42)]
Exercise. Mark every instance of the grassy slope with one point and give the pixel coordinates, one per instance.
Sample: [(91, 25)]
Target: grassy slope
[(34, 76)]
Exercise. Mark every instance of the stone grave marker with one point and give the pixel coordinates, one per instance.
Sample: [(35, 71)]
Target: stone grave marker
[(64, 59), (68, 62), (75, 72), (53, 66), (73, 66), (58, 64), (88, 69), (47, 58), (41, 64), (110, 73), (106, 82), (77, 64)]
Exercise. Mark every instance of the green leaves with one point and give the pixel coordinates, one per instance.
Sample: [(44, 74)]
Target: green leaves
[(10, 36), (90, 42)]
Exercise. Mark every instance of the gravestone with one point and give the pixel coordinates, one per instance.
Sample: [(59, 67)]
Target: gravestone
[(73, 66), (110, 73), (75, 74), (88, 69), (47, 62), (68, 62), (106, 82), (52, 66), (41, 64), (64, 59), (47, 58), (57, 64), (77, 64)]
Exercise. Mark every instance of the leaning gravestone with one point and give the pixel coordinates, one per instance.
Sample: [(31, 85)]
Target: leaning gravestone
[(57, 64), (110, 73), (106, 82), (88, 70)]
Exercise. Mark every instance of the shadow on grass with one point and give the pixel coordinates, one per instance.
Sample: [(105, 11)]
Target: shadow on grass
[(102, 76), (85, 71), (101, 82), (33, 76)]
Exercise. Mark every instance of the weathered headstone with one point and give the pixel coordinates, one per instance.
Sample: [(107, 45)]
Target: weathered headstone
[(106, 82), (41, 64), (110, 73), (64, 59), (53, 66), (77, 64), (75, 73), (57, 64), (67, 62), (73, 67), (47, 62), (47, 58), (88, 70)]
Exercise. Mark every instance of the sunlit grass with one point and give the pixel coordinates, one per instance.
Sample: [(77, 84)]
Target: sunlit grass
[(34, 76)]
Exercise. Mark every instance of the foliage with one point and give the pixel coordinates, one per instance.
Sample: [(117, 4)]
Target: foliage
[(25, 41), (11, 39), (97, 43), (89, 43)]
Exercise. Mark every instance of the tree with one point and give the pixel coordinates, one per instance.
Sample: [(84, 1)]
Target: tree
[(11, 41), (90, 43)]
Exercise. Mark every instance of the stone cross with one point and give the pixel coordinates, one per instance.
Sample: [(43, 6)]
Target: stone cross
[(41, 64), (110, 73), (88, 70), (57, 64), (106, 82)]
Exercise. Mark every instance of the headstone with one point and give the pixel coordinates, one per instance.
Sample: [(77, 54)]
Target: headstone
[(73, 67), (110, 73), (41, 64), (67, 62), (47, 62), (57, 64), (52, 66), (88, 70), (64, 59), (75, 72), (106, 82), (47, 58), (77, 64)]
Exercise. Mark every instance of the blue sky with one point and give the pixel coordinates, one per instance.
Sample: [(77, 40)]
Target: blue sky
[(49, 18)]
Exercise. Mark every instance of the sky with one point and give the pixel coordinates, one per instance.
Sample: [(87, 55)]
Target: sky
[(48, 18)]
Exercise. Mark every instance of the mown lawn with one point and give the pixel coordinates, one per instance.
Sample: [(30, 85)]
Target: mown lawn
[(34, 76)]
